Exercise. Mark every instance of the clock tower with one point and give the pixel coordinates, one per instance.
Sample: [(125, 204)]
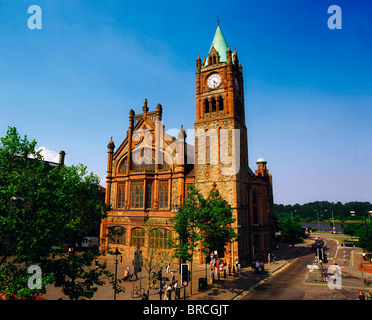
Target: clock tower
[(221, 149)]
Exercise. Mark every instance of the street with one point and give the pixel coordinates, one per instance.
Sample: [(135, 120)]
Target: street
[(293, 283)]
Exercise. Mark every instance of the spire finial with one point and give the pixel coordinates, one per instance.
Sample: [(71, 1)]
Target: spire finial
[(218, 20)]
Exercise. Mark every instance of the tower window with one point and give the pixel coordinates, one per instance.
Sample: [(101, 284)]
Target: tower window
[(220, 144), (207, 146), (206, 106), (213, 101), (220, 103)]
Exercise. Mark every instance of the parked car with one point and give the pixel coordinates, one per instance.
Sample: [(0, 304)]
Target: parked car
[(348, 244)]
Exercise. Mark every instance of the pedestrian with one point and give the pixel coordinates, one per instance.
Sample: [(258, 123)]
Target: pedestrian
[(269, 258), (168, 293), (176, 290), (126, 274), (168, 267), (273, 257), (221, 269), (368, 295), (324, 274), (239, 266), (211, 276), (262, 266), (361, 296), (257, 266)]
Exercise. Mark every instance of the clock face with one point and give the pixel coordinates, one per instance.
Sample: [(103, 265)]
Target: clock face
[(236, 84), (214, 81)]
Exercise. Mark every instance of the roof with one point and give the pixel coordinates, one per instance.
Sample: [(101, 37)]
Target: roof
[(219, 43), (261, 160)]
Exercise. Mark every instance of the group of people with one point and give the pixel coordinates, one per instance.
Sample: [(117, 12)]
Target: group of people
[(167, 289), (364, 296), (217, 267), (258, 267)]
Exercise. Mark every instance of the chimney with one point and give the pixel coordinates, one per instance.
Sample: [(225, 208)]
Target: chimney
[(62, 155)]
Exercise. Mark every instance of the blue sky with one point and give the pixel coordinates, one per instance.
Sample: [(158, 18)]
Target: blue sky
[(308, 89)]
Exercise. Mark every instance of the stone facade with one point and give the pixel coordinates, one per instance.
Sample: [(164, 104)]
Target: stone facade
[(148, 175)]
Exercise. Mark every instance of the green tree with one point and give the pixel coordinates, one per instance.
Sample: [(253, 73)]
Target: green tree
[(185, 224), (215, 224), (291, 230), (40, 205)]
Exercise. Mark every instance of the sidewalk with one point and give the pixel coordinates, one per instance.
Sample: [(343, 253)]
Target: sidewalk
[(228, 288), (353, 269)]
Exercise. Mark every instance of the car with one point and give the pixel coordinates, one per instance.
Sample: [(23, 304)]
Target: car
[(316, 245), (348, 244)]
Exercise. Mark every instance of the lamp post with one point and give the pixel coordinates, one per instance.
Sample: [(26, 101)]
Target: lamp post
[(116, 258)]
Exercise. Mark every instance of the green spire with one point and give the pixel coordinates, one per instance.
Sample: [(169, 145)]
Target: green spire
[(219, 43)]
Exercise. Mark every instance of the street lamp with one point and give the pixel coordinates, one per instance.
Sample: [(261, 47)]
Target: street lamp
[(116, 259)]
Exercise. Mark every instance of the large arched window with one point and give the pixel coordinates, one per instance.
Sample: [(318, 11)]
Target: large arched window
[(255, 211), (207, 146), (163, 194), (136, 194), (121, 196), (124, 167), (117, 235), (138, 237), (149, 195), (160, 238)]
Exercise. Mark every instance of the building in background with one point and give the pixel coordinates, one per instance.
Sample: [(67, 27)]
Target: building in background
[(149, 173)]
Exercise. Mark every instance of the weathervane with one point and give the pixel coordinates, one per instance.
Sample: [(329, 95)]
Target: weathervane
[(218, 20)]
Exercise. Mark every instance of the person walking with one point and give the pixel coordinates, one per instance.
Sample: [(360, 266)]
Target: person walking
[(361, 296), (168, 267), (173, 279), (368, 295), (273, 257), (168, 293), (126, 274), (177, 291), (211, 276)]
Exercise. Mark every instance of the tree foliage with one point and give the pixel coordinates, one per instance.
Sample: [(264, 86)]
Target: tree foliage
[(40, 206), (207, 220), (323, 209)]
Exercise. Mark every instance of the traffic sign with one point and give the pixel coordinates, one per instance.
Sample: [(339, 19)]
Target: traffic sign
[(313, 266), (185, 274)]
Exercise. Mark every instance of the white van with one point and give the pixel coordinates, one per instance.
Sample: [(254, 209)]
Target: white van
[(89, 242)]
